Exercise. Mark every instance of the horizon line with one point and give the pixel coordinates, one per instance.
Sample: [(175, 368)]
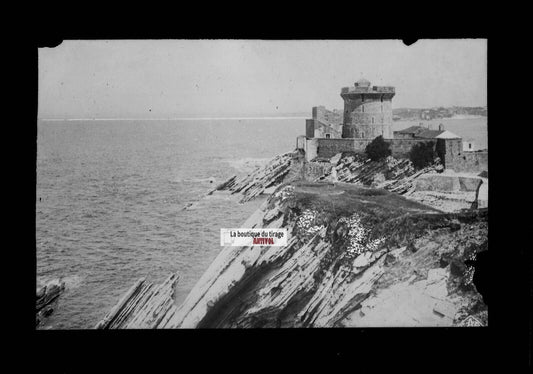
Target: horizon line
[(169, 119)]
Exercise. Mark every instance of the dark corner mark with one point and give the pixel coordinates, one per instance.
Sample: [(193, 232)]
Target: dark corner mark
[(48, 42), (409, 41)]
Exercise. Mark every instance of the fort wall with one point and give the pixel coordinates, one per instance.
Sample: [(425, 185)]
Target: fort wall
[(328, 148), (448, 183), (301, 142), (308, 145), (449, 150), (469, 162), (402, 147)]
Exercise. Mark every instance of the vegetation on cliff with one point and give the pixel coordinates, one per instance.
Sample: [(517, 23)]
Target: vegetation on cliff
[(422, 154), (378, 149)]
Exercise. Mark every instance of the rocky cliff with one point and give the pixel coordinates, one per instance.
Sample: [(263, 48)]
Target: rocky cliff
[(396, 175), (142, 306), (428, 185), (281, 168), (356, 257)]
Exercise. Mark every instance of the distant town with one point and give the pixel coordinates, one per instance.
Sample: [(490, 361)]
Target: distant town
[(415, 114), (412, 114)]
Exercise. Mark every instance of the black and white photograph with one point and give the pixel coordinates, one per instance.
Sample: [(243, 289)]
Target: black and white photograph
[(259, 184)]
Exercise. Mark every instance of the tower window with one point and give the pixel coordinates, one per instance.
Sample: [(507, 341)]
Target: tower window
[(363, 108), (381, 98), (372, 119), (363, 98)]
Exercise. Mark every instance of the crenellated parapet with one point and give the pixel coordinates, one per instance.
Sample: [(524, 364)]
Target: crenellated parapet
[(368, 90)]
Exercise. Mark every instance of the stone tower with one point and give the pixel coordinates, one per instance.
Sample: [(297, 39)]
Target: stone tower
[(367, 110)]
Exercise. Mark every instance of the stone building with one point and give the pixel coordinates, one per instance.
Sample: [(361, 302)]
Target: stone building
[(324, 124), (421, 132), (367, 110), (368, 114), (469, 145)]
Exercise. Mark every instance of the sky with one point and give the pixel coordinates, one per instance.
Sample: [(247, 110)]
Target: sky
[(191, 78)]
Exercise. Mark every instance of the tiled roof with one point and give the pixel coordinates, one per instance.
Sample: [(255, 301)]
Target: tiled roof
[(429, 134), (412, 130), (424, 132), (448, 135)]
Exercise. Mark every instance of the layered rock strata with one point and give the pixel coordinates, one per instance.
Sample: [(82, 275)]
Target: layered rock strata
[(143, 306), (350, 250)]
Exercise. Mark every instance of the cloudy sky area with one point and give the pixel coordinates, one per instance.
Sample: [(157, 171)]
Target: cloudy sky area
[(187, 78)]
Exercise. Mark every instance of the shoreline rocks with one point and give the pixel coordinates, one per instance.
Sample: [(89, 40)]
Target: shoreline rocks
[(46, 299), (254, 184)]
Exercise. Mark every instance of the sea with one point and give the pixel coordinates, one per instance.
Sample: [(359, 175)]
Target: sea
[(111, 195)]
